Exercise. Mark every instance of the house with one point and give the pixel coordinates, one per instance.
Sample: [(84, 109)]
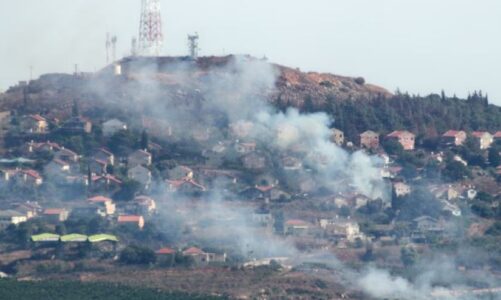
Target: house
[(67, 155), (11, 217), (453, 138), (268, 192), (369, 139), (198, 255), (222, 178), (296, 227), (30, 209), (105, 155), (139, 157), (186, 185), (77, 125), (254, 161), (447, 192), (32, 147), (451, 208), (166, 256), (106, 182), (133, 221), (34, 124), (157, 127), (483, 139), (146, 205), (427, 224), (140, 174), (57, 168), (401, 189), (56, 215), (244, 148), (113, 126), (98, 167), (105, 203), (241, 129), (24, 177), (263, 217), (405, 138), (291, 163), (344, 229), (180, 172), (337, 136)]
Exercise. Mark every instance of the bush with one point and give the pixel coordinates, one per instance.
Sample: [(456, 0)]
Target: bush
[(360, 80), (136, 255)]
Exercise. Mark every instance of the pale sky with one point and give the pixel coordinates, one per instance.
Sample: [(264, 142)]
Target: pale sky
[(420, 46)]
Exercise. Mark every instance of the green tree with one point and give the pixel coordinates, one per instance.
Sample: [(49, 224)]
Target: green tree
[(136, 255), (495, 229), (75, 111), (494, 157), (409, 256), (144, 140), (128, 190), (392, 147), (455, 171)]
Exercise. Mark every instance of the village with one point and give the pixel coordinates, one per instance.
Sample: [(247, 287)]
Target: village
[(130, 195)]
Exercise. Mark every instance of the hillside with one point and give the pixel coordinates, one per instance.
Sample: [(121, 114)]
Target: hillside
[(176, 81)]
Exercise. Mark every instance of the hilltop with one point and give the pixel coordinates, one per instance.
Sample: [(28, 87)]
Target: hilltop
[(173, 74)]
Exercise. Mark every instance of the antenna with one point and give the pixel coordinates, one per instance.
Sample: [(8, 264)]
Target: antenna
[(114, 47), (193, 45), (108, 46), (150, 28)]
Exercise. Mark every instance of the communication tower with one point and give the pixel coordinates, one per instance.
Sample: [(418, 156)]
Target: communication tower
[(150, 28)]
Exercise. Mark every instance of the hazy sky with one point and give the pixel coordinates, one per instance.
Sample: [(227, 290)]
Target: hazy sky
[(420, 46)]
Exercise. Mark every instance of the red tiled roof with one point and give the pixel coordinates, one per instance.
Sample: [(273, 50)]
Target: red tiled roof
[(399, 133), (69, 152), (296, 223), (101, 162), (99, 199), (54, 211), (32, 173), (193, 251), (178, 183), (37, 118), (60, 162), (142, 152), (144, 200), (478, 134), (105, 151), (264, 189), (113, 178), (497, 135), (128, 219), (166, 251), (451, 133), (369, 133)]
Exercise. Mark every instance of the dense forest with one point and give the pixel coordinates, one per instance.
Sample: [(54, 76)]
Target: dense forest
[(60, 290), (430, 115)]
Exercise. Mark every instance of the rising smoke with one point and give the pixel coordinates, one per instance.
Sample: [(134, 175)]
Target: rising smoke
[(236, 93)]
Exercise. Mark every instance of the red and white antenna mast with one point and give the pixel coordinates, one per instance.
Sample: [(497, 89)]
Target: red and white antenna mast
[(150, 28)]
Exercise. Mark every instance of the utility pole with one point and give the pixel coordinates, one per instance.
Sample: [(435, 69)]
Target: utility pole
[(108, 46), (193, 45)]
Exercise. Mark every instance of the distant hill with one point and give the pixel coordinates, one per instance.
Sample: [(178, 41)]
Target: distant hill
[(355, 105)]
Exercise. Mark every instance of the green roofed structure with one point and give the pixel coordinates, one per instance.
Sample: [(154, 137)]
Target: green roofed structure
[(45, 237), (74, 238), (102, 238)]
